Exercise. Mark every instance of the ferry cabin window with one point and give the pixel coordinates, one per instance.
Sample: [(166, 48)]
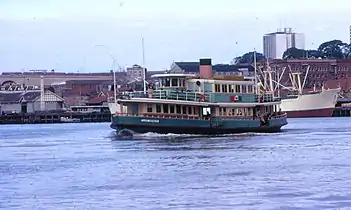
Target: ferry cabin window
[(206, 111), (231, 89), (224, 88), (223, 111), (249, 89), (171, 109), (165, 108), (237, 88), (184, 109), (189, 110), (158, 108), (178, 109), (149, 107), (244, 89), (167, 82), (217, 88), (236, 111), (174, 82)]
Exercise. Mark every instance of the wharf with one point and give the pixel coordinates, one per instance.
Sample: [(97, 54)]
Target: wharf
[(47, 117), (342, 111)]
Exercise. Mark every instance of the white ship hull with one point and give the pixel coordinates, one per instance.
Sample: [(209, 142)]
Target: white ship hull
[(319, 104)]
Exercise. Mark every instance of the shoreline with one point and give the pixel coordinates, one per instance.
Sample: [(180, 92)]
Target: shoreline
[(49, 118)]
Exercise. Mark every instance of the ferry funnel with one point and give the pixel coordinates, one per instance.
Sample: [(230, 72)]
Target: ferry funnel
[(206, 68)]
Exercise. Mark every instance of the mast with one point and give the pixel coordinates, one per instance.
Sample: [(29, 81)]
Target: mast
[(304, 80), (278, 80), (114, 83), (271, 88), (144, 73), (255, 67), (299, 82)]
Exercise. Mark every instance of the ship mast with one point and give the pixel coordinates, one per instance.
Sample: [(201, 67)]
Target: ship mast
[(255, 66), (273, 83), (114, 83), (295, 78), (144, 73)]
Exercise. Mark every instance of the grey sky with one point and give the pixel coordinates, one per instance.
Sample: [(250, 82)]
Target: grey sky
[(60, 34)]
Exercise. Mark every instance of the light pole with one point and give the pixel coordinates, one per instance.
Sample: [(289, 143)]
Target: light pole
[(114, 72), (144, 73)]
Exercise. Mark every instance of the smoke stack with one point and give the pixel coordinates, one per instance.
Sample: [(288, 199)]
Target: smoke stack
[(206, 68)]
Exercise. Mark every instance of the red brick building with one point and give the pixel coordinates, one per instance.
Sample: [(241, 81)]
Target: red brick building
[(330, 72)]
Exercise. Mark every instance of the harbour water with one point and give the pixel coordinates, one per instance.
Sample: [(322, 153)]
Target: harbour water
[(84, 166)]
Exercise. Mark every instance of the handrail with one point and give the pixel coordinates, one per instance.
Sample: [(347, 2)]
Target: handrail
[(191, 96), (159, 115), (171, 94), (192, 117)]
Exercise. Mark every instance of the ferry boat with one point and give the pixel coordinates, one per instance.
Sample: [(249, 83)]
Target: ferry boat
[(198, 104)]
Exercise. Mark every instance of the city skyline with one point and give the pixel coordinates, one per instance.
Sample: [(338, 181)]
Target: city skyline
[(62, 36)]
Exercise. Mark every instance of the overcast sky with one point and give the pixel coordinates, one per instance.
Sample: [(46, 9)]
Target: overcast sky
[(63, 34)]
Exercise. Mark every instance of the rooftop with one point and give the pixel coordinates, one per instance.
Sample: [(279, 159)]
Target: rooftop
[(8, 97), (195, 67), (172, 75)]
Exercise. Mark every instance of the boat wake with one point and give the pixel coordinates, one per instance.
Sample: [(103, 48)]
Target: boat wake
[(130, 135)]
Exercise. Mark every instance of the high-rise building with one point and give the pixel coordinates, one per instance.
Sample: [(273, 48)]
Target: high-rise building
[(275, 44), (136, 72)]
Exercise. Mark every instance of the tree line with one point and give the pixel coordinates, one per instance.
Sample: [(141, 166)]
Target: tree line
[(334, 49)]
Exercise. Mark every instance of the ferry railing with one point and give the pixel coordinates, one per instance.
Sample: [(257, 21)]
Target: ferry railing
[(266, 98), (160, 115), (178, 95), (238, 117), (189, 96), (170, 94), (192, 117), (277, 116)]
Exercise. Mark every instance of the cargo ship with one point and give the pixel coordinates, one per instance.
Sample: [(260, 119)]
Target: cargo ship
[(311, 104), (299, 103), (198, 104)]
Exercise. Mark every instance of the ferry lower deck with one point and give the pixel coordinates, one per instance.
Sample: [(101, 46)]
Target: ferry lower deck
[(160, 123)]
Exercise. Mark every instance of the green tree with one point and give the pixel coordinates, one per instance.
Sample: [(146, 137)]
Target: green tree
[(314, 54), (346, 51), (332, 49), (248, 58), (294, 53)]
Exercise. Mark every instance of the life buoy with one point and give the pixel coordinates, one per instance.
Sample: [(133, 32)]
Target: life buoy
[(234, 98), (202, 97)]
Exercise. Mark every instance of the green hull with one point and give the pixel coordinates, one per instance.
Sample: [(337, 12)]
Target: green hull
[(214, 125)]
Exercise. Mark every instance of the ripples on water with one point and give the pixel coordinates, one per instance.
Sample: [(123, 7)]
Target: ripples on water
[(84, 166)]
